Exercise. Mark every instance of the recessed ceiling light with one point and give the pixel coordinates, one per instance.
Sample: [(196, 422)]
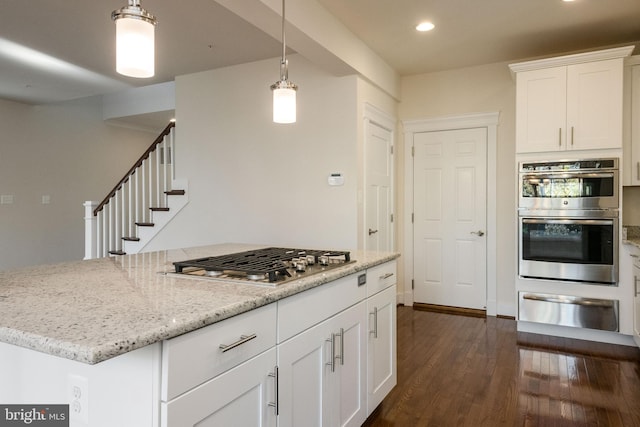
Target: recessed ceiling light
[(425, 26)]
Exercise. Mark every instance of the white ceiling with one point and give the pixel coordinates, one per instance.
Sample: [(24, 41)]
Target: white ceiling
[(78, 37), (474, 32)]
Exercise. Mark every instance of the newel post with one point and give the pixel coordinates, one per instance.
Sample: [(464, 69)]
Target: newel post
[(90, 230)]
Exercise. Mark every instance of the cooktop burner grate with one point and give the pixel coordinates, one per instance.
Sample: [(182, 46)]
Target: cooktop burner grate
[(271, 262)]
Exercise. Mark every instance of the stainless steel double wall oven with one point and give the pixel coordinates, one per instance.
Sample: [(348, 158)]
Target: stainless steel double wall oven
[(568, 220)]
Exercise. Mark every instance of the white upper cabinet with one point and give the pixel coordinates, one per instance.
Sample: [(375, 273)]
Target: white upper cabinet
[(572, 102), (633, 177), (541, 106)]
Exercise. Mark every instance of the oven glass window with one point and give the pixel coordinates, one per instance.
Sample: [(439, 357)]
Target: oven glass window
[(578, 243), (555, 187)]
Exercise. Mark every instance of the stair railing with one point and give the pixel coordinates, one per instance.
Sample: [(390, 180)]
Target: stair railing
[(131, 202)]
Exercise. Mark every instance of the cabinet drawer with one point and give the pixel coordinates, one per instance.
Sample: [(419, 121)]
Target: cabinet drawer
[(381, 277), (193, 358), (571, 311), (237, 397), (306, 309)]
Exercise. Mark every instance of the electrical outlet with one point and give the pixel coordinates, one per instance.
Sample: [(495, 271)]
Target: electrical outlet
[(6, 199), (78, 389)]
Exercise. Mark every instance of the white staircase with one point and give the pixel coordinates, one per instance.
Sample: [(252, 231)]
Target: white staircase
[(139, 206)]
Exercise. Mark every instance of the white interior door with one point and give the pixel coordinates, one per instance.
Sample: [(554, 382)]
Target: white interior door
[(450, 217), (378, 188)]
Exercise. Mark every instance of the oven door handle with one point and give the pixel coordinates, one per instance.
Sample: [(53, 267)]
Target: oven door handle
[(567, 221), (564, 175)]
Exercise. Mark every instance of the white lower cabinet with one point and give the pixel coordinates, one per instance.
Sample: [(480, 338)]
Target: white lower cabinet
[(321, 372), (381, 352), (242, 396), (323, 357)]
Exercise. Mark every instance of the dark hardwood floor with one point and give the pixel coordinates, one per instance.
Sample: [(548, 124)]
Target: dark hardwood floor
[(463, 371)]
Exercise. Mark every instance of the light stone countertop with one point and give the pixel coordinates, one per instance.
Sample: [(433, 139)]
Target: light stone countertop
[(633, 242), (93, 310)]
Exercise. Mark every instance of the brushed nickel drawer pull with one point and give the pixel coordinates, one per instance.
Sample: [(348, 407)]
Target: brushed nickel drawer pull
[(588, 302), (332, 361), (243, 339), (375, 322), (385, 276), (276, 379), (341, 357)]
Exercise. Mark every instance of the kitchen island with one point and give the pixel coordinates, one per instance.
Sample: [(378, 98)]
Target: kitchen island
[(97, 328)]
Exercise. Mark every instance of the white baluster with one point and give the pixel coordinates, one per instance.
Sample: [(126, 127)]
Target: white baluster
[(105, 230), (143, 190), (117, 220), (110, 228), (165, 168), (131, 217), (172, 150), (136, 196), (157, 186), (99, 220), (90, 230)]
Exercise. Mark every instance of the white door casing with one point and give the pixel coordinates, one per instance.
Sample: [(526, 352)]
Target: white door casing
[(450, 217), (466, 121), (378, 195)]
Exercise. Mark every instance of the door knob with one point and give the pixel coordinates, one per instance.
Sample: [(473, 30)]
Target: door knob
[(372, 232), (478, 233)]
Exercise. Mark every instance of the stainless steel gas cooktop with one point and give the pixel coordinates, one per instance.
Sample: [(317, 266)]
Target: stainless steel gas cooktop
[(268, 266)]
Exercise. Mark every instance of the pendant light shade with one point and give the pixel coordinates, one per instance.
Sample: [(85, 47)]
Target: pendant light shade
[(284, 92), (284, 101), (135, 40)]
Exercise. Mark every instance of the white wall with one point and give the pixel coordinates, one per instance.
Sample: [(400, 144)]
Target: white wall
[(251, 180), (65, 151), (486, 88)]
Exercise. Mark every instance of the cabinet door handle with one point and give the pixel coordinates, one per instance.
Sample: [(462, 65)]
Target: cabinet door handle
[(572, 136), (332, 359), (243, 339), (341, 335), (559, 137), (385, 276), (375, 322), (635, 286), (276, 380), (638, 171)]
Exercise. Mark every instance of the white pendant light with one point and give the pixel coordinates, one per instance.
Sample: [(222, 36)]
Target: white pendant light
[(135, 40), (284, 92)]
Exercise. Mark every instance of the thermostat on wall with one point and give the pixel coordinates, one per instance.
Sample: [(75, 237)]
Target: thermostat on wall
[(336, 179)]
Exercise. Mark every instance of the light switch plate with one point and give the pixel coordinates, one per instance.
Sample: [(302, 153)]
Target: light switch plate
[(6, 199)]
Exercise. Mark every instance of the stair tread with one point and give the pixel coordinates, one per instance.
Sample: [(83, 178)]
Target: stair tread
[(131, 239), (175, 192), (159, 209), (145, 224), (117, 253)]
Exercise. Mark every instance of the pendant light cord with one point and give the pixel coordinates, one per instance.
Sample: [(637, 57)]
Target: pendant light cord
[(284, 67), (284, 44)]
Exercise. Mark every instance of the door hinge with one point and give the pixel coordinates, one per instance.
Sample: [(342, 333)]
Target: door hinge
[(411, 217), (413, 151), (391, 217), (412, 284), (391, 149)]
